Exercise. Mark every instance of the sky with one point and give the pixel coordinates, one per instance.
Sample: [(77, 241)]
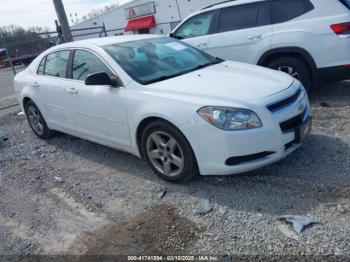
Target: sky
[(29, 13)]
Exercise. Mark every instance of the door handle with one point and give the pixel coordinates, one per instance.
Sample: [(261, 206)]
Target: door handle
[(36, 85), (72, 91), (252, 37)]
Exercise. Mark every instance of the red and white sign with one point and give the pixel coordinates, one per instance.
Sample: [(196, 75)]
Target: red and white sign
[(140, 10)]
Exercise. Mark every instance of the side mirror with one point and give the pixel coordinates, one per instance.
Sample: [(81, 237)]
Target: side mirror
[(173, 35), (103, 79)]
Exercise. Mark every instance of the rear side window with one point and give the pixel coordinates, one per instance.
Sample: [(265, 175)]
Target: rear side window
[(195, 26), (56, 64), (285, 10), (264, 14), (238, 17)]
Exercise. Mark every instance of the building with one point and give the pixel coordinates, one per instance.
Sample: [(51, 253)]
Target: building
[(146, 16)]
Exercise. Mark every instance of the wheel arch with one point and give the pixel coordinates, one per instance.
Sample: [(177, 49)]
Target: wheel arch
[(145, 122), (292, 51), (25, 100)]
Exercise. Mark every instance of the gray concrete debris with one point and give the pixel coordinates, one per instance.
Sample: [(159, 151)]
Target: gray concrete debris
[(161, 194), (58, 179), (288, 232), (298, 222), (204, 207)]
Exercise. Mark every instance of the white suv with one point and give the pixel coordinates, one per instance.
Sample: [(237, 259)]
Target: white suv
[(308, 39)]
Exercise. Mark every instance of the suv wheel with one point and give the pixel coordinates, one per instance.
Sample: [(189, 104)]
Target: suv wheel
[(36, 121), (168, 152), (293, 67)]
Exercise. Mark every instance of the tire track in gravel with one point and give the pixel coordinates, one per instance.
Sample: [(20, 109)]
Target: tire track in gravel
[(57, 219)]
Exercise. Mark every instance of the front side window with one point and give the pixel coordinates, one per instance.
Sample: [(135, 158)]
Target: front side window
[(56, 64), (86, 63), (195, 26), (238, 17), (285, 10), (152, 60)]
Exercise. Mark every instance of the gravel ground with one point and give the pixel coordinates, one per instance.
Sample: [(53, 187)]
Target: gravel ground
[(70, 196)]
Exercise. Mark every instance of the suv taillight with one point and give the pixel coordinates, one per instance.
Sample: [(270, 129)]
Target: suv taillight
[(341, 29)]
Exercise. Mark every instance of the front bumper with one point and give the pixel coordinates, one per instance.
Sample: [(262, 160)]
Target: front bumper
[(247, 149)]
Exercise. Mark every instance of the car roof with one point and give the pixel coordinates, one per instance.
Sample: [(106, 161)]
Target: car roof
[(105, 41), (227, 4)]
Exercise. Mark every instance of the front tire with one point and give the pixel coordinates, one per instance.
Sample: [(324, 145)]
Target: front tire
[(294, 67), (36, 121), (168, 152)]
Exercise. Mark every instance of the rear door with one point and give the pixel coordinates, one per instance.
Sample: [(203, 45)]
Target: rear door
[(243, 32), (99, 112), (51, 82), (196, 30)]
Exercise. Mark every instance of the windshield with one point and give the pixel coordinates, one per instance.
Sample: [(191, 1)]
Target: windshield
[(152, 60)]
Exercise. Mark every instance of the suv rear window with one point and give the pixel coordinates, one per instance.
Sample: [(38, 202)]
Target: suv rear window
[(285, 10)]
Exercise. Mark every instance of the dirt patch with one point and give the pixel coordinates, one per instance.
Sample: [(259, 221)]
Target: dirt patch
[(158, 230)]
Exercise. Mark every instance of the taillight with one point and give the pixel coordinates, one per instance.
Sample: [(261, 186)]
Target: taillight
[(341, 29)]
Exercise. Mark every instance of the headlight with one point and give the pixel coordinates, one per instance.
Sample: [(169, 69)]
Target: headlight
[(228, 118)]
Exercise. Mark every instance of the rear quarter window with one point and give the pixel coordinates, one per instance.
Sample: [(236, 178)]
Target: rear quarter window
[(285, 10)]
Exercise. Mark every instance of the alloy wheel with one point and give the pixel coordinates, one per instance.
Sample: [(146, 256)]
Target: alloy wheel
[(35, 120), (165, 153), (289, 70)]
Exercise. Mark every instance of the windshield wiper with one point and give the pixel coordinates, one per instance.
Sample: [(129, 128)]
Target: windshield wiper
[(162, 78), (218, 61)]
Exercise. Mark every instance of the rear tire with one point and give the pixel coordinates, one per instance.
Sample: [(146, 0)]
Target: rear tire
[(294, 67), (168, 152), (36, 121)]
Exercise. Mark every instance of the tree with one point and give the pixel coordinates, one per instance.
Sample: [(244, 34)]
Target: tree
[(99, 11), (19, 41)]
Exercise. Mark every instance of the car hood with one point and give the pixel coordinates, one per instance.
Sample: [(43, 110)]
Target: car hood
[(228, 81)]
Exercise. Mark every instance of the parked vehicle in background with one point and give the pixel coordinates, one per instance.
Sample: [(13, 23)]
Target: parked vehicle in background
[(25, 60), (181, 109), (308, 39)]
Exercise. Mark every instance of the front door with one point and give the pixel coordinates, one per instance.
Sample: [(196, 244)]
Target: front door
[(196, 30), (99, 112)]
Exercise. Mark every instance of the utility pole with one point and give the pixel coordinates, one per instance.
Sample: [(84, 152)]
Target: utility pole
[(62, 17), (178, 9)]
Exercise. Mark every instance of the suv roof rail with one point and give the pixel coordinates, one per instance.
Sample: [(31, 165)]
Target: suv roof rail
[(223, 2)]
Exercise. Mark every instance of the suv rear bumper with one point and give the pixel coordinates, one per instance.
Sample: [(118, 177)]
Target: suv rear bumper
[(335, 73)]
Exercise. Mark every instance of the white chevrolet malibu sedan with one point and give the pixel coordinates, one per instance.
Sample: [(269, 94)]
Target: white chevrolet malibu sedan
[(179, 108)]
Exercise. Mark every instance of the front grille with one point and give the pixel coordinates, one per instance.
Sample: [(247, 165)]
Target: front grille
[(285, 102), (292, 123)]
